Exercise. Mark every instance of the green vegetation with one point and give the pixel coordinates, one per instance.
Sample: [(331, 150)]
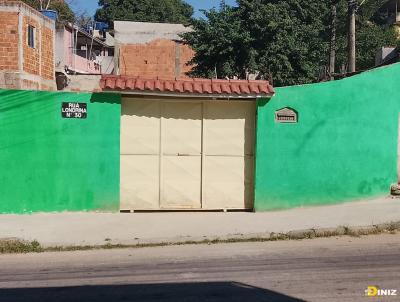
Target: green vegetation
[(168, 11), (284, 41), (15, 246), (65, 14)]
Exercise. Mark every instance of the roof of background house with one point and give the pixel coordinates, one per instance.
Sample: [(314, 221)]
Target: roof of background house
[(127, 32), (392, 57), (214, 88), (86, 34)]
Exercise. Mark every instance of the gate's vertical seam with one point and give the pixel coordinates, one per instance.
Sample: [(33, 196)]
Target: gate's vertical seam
[(203, 104), (160, 156)]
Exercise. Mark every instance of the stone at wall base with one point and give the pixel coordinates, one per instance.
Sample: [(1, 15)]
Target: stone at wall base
[(395, 190)]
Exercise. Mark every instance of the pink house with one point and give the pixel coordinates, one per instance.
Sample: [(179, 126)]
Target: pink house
[(81, 52)]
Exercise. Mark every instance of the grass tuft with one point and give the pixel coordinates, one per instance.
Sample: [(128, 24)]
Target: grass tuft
[(17, 246), (14, 246)]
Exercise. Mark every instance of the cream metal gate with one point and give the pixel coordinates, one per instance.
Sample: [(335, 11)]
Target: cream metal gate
[(187, 154)]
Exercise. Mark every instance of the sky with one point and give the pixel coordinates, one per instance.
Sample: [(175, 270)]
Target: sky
[(90, 5)]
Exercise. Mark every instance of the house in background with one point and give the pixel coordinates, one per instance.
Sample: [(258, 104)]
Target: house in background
[(392, 10), (26, 48), (151, 50), (39, 53), (81, 52), (142, 50), (390, 54), (387, 55)]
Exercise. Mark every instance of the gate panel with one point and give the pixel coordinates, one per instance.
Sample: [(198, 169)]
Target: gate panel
[(228, 136), (187, 154), (181, 155), (140, 188), (181, 128), (229, 128), (181, 183), (140, 127), (140, 153)]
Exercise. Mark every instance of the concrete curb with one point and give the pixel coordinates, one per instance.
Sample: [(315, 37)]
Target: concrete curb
[(15, 245)]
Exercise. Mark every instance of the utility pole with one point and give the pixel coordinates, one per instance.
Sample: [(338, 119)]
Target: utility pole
[(222, 5), (352, 36), (332, 56)]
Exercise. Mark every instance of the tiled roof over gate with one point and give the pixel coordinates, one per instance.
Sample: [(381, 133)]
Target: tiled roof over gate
[(187, 86)]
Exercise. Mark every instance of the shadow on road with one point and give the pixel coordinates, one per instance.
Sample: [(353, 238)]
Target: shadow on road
[(208, 291)]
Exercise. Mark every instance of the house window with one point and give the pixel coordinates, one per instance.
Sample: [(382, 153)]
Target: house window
[(31, 36)]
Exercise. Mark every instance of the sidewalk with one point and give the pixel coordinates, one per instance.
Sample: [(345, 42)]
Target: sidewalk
[(66, 229)]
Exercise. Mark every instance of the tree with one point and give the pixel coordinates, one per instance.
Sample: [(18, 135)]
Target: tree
[(222, 45), (168, 11), (65, 14), (290, 38), (83, 19), (371, 37), (372, 33), (284, 38), (289, 41)]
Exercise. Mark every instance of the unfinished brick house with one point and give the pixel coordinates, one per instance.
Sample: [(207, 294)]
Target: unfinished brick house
[(151, 50), (26, 48)]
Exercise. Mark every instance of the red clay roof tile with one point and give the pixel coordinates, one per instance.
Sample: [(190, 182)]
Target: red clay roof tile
[(158, 85), (168, 86), (188, 86)]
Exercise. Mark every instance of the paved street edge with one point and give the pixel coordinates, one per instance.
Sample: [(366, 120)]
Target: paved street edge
[(18, 246)]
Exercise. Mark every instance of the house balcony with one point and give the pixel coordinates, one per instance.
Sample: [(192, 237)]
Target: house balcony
[(82, 65)]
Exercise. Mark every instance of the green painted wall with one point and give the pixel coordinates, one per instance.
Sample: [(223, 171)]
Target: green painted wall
[(343, 148), (48, 163)]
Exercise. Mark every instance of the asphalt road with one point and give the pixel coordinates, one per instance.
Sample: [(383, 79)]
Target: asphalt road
[(332, 269)]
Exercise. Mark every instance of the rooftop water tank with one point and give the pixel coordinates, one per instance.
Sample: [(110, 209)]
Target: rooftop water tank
[(52, 14)]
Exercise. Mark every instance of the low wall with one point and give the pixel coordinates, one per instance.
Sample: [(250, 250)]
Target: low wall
[(24, 80), (343, 148), (49, 163)]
